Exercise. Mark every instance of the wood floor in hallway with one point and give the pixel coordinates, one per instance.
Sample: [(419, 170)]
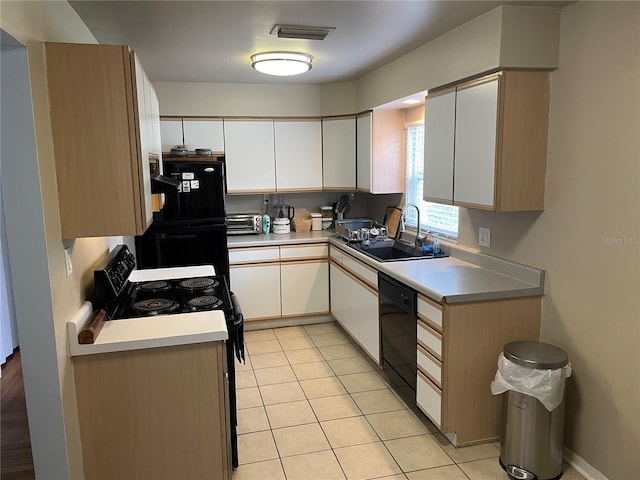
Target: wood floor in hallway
[(16, 461)]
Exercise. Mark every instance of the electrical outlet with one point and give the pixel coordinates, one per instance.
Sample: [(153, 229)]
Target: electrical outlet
[(67, 261), (265, 199), (484, 237)]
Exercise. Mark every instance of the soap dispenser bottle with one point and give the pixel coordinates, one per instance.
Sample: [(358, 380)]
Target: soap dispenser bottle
[(436, 244)]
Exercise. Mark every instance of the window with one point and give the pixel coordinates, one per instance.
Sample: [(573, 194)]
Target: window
[(433, 216)]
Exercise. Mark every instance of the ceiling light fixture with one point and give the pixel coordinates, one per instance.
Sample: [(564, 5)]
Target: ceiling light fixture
[(301, 31), (282, 64)]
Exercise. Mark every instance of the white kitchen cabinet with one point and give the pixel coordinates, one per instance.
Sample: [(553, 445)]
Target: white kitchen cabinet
[(304, 288), (250, 156), (496, 157), (475, 144), (204, 133), (171, 133), (257, 287), (339, 153), (360, 315), (380, 151), (354, 301), (298, 154), (280, 281), (439, 134), (102, 165)]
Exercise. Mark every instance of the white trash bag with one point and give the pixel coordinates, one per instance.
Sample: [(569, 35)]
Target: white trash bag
[(544, 384)]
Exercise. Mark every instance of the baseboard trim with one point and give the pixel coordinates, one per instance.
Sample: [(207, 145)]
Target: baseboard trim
[(581, 466)]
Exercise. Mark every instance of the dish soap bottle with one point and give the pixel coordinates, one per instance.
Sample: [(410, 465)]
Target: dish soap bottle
[(436, 244)]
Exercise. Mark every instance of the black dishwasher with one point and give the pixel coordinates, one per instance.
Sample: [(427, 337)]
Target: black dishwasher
[(398, 329)]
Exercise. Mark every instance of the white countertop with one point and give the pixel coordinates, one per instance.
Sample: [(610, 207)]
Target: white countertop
[(147, 332), (465, 276)]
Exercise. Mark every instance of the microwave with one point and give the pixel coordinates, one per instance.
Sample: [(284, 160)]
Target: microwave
[(244, 223)]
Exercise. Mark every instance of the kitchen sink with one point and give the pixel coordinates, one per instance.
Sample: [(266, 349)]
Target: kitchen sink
[(392, 250)]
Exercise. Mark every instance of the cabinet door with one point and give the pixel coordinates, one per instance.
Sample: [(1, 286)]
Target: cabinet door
[(258, 289), (298, 151), (249, 156), (439, 134), (363, 152), (145, 135), (201, 133), (360, 315), (305, 288), (475, 144), (171, 133), (336, 290), (339, 153)]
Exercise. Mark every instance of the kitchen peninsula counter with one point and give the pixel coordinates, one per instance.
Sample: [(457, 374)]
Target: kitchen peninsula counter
[(147, 332), (465, 276)]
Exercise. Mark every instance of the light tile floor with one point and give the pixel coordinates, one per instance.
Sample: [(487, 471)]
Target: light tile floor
[(312, 406)]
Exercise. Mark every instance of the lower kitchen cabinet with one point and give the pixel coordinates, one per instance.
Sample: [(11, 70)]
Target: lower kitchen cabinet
[(354, 301), (458, 348), (304, 288), (154, 413), (258, 289), (277, 282)]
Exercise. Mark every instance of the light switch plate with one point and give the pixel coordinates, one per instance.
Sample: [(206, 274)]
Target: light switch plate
[(484, 237), (67, 261)]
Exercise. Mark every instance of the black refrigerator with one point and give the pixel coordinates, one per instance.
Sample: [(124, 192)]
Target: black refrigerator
[(191, 229)]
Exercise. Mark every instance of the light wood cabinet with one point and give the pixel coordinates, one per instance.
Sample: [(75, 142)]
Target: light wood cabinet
[(354, 301), (380, 151), (250, 156), (280, 281), (499, 139), (104, 124), (155, 413), (298, 154), (339, 153), (458, 348)]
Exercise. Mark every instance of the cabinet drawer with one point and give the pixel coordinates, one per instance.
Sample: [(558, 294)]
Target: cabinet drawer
[(430, 365), (297, 252), (430, 339), (254, 255), (364, 272), (429, 399), (430, 311), (335, 254)]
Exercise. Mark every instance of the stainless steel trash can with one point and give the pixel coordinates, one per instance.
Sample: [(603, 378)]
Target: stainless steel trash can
[(532, 436)]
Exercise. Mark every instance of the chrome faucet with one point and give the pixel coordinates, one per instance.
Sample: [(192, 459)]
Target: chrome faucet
[(420, 239)]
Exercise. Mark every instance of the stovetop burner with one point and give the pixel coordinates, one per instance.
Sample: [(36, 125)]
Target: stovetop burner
[(205, 302), (155, 287), (155, 306), (198, 283)]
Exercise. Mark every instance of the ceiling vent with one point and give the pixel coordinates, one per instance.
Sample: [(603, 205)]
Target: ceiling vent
[(302, 32)]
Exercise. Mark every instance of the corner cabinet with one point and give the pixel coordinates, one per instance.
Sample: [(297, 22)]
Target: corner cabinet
[(486, 142), (380, 151), (106, 131)]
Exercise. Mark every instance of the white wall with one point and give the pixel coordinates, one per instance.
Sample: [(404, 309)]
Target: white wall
[(587, 239)]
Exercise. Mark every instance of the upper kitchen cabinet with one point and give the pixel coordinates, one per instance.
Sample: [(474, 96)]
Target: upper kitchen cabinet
[(105, 127), (494, 157), (171, 133), (250, 155), (380, 151), (298, 153), (339, 153), (193, 132)]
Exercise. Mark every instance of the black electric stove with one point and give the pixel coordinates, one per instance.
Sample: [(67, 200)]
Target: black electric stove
[(163, 295)]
